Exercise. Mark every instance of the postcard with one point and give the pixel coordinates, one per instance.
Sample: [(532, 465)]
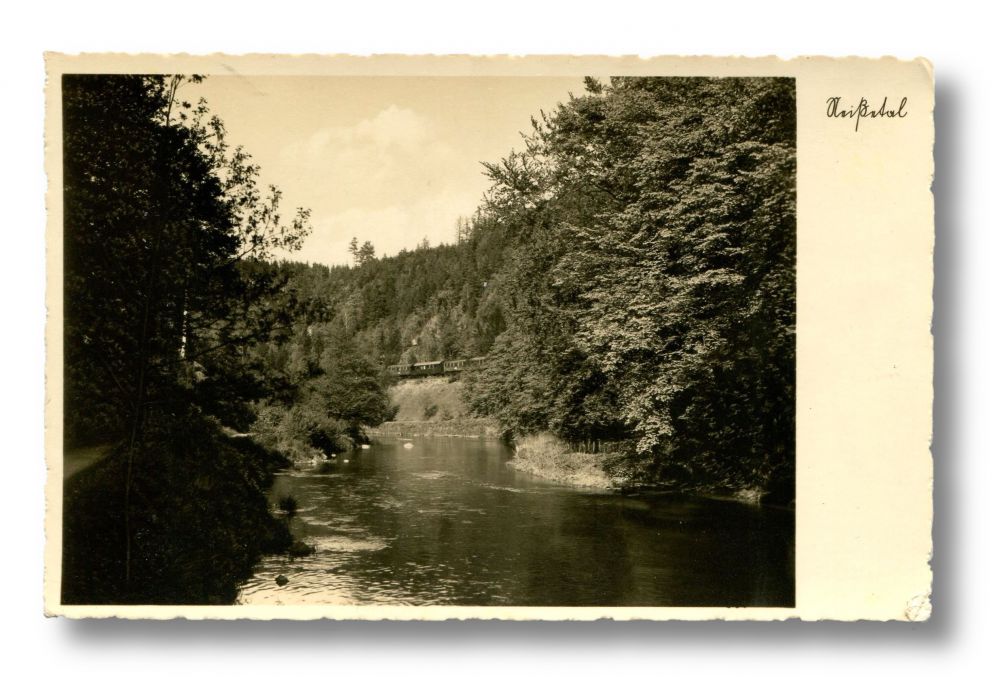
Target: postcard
[(558, 338)]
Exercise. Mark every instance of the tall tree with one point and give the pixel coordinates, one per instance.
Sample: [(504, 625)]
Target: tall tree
[(366, 253), (652, 225), (161, 217)]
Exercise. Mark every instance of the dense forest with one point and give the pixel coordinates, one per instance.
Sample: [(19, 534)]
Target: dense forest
[(629, 277), (649, 288), (165, 232)]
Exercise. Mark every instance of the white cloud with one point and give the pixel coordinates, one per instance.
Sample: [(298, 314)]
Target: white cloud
[(393, 152), (387, 179), (390, 229), (392, 127)]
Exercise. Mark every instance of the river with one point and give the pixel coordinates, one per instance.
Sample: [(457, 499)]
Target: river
[(447, 522)]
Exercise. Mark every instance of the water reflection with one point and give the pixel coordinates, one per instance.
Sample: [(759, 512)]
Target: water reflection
[(447, 523)]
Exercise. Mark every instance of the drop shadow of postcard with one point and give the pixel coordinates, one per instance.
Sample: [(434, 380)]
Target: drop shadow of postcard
[(400, 337)]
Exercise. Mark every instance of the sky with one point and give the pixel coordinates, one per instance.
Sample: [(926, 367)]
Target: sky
[(391, 160)]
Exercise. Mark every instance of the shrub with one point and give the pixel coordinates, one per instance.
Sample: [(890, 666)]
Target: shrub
[(289, 505)]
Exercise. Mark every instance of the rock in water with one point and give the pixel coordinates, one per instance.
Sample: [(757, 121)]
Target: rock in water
[(281, 579), (408, 446)]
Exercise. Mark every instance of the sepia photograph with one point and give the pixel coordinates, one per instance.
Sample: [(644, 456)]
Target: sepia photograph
[(469, 337), (534, 342), (428, 341)]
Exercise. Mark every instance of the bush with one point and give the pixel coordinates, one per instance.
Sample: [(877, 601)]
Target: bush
[(300, 549), (289, 505)]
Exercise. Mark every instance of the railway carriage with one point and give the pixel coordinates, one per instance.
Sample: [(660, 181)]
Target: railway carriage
[(436, 367), (428, 368)]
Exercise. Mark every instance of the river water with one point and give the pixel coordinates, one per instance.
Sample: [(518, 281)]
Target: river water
[(447, 522)]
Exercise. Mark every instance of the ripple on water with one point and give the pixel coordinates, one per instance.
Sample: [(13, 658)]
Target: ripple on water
[(316, 521), (311, 475), (345, 544), (432, 475), (509, 489), (449, 524), (299, 510)]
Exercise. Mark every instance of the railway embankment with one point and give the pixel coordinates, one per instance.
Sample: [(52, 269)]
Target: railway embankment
[(473, 427), (432, 406)]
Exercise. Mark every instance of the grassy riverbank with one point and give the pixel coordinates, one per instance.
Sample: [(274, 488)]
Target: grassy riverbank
[(545, 456), (435, 407), (549, 458)]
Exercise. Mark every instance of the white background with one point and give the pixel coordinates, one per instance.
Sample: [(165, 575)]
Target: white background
[(957, 644)]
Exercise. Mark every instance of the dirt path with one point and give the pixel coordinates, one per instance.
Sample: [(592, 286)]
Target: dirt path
[(78, 459)]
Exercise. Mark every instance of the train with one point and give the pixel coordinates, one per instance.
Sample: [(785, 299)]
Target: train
[(436, 368)]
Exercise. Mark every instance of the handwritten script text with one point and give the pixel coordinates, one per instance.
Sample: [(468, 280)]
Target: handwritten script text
[(863, 110)]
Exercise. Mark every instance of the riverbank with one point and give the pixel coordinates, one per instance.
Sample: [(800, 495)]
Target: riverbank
[(199, 519), (546, 457), (435, 407), (470, 427), (549, 458)]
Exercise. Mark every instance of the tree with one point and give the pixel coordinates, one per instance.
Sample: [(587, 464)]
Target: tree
[(362, 254), (690, 298), (463, 230), (366, 253), (650, 281), (162, 218)]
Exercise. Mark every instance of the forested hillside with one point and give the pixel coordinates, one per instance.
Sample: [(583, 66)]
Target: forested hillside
[(630, 277), (649, 288)]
